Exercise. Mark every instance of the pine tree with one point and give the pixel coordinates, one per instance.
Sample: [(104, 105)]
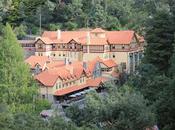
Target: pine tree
[(159, 37), (15, 79)]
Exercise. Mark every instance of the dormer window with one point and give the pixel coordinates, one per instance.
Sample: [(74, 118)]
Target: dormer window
[(40, 46), (53, 46), (123, 47)]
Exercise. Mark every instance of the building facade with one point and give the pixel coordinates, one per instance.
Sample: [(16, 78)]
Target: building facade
[(65, 82), (124, 47)]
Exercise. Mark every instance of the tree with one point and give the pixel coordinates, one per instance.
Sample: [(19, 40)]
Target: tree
[(122, 109), (16, 81), (159, 37)]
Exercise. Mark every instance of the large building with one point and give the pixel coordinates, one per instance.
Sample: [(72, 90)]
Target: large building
[(124, 47), (61, 80)]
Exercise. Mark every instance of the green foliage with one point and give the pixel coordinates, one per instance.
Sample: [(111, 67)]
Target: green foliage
[(20, 31), (122, 109), (18, 90), (23, 121), (73, 14), (160, 36)]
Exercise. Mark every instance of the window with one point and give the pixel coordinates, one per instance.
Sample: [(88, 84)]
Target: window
[(123, 64), (40, 46), (54, 55), (43, 96), (53, 46), (63, 54), (113, 55), (59, 85), (59, 54), (123, 47), (113, 47)]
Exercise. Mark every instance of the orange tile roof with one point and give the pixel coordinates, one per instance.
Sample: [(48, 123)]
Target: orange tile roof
[(41, 60), (46, 40), (98, 30), (91, 64), (120, 37), (93, 41), (46, 78), (90, 83), (112, 37), (68, 90), (55, 63), (72, 71), (96, 82), (109, 63)]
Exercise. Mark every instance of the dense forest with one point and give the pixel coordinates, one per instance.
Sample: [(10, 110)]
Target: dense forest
[(144, 100), (25, 15)]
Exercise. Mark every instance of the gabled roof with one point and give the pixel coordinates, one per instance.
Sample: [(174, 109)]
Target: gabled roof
[(111, 37), (120, 37), (91, 64), (109, 63), (46, 78), (98, 30), (40, 60), (90, 83), (43, 62), (70, 89), (67, 72), (96, 82), (55, 63)]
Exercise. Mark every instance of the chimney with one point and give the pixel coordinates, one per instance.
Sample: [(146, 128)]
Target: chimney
[(58, 34), (71, 69), (88, 41), (88, 38)]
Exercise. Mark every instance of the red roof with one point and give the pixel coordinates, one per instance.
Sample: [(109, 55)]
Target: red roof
[(47, 79), (70, 89), (67, 72), (98, 30), (120, 37), (55, 63), (90, 83), (41, 60), (109, 63), (96, 82), (91, 64), (111, 37)]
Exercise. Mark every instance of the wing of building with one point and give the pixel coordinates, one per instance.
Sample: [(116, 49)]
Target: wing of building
[(125, 47), (63, 80)]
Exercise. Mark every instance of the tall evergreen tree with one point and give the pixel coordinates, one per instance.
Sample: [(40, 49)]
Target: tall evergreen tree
[(16, 81), (159, 37)]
